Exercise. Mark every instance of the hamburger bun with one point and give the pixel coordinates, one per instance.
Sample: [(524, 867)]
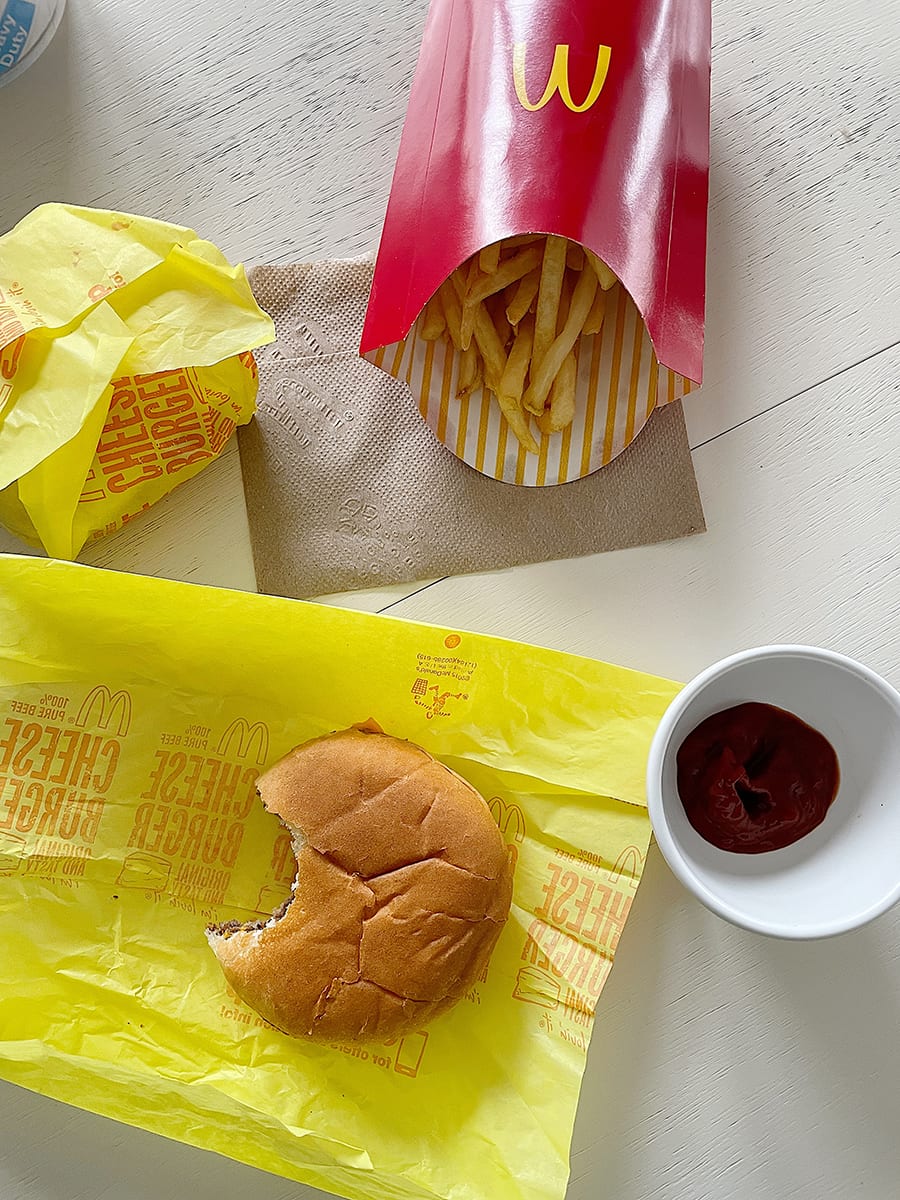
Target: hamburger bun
[(403, 885)]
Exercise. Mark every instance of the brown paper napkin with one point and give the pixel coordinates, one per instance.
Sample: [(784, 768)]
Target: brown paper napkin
[(348, 488)]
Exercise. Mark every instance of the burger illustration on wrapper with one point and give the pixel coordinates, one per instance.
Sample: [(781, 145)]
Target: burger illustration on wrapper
[(535, 986), (150, 872), (540, 283), (403, 886)]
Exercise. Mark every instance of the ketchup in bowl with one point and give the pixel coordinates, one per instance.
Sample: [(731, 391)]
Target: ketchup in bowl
[(754, 778)]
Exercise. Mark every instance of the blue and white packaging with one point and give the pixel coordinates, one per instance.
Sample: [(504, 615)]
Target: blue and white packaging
[(26, 29)]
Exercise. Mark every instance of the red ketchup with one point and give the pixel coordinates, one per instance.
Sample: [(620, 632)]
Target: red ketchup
[(754, 778)]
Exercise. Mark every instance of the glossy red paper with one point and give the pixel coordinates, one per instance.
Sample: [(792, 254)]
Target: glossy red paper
[(589, 120)]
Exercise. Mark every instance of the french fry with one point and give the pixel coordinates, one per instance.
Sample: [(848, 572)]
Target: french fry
[(508, 272), (489, 345), (565, 304), (433, 321), (468, 371), (521, 239), (471, 371), (497, 309), (574, 256), (548, 368), (478, 381), (452, 311), (458, 282), (467, 321), (489, 258), (562, 395), (552, 272), (509, 294), (606, 277), (595, 317), (543, 421), (525, 295), (512, 382), (518, 423), (494, 365)]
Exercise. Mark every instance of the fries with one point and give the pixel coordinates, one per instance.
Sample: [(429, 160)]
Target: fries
[(562, 395), (467, 380), (552, 275), (512, 382), (452, 310), (524, 298), (467, 321), (522, 239), (605, 276), (497, 309), (490, 346), (514, 314), (595, 317), (434, 322), (551, 364), (514, 268), (574, 256), (489, 258)]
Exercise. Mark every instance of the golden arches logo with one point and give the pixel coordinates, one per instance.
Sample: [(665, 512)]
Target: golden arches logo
[(630, 864), (107, 705), (559, 79), (509, 818), (10, 354), (241, 735)]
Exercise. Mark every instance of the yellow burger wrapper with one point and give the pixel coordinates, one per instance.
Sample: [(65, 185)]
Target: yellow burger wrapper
[(125, 366), (135, 715)]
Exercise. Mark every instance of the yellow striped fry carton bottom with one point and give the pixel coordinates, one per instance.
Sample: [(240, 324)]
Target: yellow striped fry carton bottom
[(620, 383)]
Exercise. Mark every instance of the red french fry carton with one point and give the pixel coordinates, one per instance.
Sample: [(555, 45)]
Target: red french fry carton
[(588, 121)]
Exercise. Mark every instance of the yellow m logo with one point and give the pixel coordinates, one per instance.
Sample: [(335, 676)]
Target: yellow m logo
[(241, 735), (559, 79), (509, 817), (107, 705)]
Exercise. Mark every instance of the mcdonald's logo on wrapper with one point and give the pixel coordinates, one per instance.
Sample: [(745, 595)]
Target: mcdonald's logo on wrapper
[(9, 359), (509, 817), (629, 864), (511, 822), (559, 79), (240, 737), (101, 706)]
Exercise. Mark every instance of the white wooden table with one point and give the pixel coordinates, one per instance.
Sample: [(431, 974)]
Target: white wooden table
[(723, 1064)]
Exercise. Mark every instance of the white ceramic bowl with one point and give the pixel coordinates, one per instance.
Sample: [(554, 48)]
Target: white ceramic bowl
[(847, 870)]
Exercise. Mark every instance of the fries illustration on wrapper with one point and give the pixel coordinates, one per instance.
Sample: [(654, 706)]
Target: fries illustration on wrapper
[(540, 284)]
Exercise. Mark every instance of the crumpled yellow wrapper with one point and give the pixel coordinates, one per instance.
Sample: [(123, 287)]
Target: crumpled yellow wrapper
[(125, 366), (135, 715)]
